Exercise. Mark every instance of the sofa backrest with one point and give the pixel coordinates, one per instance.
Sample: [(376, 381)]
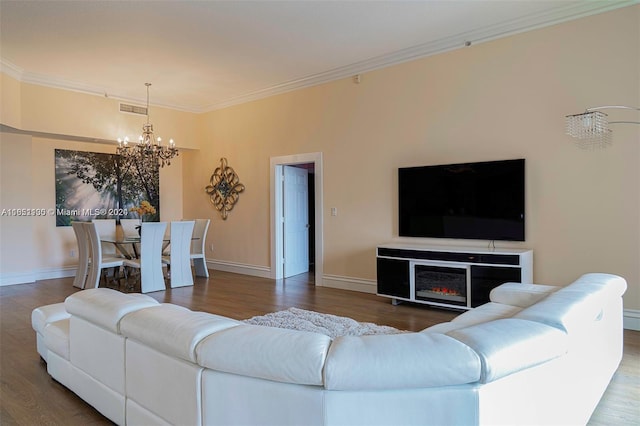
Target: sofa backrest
[(276, 354), (520, 294), (399, 361), (173, 330), (577, 304), (106, 307), (506, 346)]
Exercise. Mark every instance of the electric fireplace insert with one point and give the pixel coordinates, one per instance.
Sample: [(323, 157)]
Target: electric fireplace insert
[(444, 284)]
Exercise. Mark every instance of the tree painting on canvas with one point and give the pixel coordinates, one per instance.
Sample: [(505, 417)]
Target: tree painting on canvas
[(93, 185)]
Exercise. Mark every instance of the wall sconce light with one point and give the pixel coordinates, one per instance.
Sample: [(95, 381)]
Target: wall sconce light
[(591, 127)]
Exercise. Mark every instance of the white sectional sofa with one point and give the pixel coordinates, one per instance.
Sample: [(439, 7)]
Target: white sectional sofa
[(533, 355)]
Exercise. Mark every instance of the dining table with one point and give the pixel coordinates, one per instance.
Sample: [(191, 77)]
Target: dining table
[(121, 245), (128, 246)]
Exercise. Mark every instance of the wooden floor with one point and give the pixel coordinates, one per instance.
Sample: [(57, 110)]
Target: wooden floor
[(28, 396)]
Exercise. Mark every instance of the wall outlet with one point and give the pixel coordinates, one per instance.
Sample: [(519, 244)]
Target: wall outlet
[(72, 253)]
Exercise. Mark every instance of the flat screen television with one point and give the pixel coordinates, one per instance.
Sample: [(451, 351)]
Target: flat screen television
[(480, 201)]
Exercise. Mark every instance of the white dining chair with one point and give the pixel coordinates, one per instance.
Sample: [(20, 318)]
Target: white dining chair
[(129, 229), (198, 247), (82, 238), (150, 262), (107, 229), (99, 261), (179, 259)]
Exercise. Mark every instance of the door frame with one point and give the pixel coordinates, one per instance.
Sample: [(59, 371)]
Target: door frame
[(276, 170)]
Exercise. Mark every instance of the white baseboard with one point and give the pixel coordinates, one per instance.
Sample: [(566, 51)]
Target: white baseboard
[(349, 283), (13, 278), (51, 273), (239, 268), (69, 271), (631, 319), (33, 276)]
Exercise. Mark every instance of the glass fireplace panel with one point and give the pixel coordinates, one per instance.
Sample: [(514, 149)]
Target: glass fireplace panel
[(441, 284)]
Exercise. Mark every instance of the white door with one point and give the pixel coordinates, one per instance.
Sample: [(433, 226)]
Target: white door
[(296, 221)]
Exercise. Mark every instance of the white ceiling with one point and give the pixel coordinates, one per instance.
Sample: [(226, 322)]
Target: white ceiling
[(203, 55)]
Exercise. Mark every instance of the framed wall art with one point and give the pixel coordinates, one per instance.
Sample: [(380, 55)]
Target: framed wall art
[(93, 185)]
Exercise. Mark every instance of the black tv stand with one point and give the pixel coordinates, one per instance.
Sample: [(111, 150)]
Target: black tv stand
[(448, 276)]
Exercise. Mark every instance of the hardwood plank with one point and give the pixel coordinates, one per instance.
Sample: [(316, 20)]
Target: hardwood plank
[(29, 396)]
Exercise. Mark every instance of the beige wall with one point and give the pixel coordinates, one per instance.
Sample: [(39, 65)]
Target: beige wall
[(497, 100), (10, 102), (16, 233)]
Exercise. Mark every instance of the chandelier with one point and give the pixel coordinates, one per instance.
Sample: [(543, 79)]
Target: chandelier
[(148, 148)]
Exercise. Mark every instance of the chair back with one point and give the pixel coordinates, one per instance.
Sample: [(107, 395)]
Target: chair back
[(106, 229), (129, 227), (200, 232), (90, 229), (82, 238), (151, 276), (180, 253)]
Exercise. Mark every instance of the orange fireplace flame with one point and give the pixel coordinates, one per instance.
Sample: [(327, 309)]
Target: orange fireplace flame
[(445, 291)]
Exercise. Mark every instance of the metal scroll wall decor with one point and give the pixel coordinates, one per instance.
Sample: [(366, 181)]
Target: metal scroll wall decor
[(224, 188)]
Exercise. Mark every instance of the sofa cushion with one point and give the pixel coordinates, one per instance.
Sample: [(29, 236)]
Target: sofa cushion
[(397, 361), (172, 329), (106, 307), (277, 354), (56, 337), (520, 294), (508, 345)]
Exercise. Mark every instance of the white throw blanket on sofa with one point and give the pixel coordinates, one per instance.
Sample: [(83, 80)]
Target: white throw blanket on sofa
[(327, 324)]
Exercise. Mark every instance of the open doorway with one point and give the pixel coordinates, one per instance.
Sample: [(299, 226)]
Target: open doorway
[(296, 213), (298, 227)]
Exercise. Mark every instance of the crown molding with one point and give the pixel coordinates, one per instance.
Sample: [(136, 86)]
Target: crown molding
[(560, 14), (23, 76)]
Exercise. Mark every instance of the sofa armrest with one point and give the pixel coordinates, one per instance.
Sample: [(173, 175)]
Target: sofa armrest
[(519, 294), (44, 315)]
